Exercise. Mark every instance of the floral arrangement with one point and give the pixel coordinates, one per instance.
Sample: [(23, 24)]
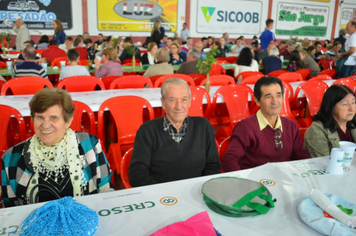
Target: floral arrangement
[(116, 41), (6, 35)]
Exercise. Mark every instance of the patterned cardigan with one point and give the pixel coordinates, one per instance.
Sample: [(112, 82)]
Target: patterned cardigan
[(16, 171)]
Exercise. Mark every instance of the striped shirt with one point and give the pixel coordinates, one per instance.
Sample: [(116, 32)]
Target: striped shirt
[(28, 68)]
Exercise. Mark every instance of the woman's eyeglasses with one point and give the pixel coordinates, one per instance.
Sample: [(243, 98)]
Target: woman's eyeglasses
[(277, 139)]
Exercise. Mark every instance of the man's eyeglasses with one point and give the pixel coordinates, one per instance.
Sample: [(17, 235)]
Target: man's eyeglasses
[(277, 139)]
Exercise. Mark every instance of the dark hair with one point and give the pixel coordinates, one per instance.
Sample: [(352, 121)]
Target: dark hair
[(266, 81), (72, 54), (336, 43), (317, 43), (53, 42), (48, 97), (311, 48), (88, 40), (128, 40), (108, 38), (69, 38), (295, 56), (101, 34), (29, 42), (245, 57), (43, 39), (77, 41), (332, 96), (269, 21), (204, 38)]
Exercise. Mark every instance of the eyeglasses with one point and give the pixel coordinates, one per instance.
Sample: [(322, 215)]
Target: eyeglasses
[(277, 141)]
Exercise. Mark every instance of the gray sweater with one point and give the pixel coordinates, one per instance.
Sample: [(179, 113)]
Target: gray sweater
[(157, 158)]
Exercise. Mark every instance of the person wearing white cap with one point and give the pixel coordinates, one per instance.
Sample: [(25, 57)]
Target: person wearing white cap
[(23, 34)]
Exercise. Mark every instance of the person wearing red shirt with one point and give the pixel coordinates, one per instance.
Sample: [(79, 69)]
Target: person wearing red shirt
[(53, 51), (78, 44)]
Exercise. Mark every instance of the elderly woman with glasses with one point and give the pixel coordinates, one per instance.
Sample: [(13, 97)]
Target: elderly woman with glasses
[(56, 161), (334, 122)]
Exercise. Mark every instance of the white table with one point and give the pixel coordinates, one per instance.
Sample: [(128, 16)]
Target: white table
[(95, 98), (289, 183)]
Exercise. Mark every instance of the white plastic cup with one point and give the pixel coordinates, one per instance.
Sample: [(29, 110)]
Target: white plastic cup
[(63, 63), (9, 65), (349, 149), (44, 65), (335, 165), (282, 58)]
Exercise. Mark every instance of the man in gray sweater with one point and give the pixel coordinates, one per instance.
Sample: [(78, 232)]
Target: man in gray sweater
[(175, 146)]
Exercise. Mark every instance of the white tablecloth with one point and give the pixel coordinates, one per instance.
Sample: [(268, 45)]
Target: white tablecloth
[(141, 211), (95, 98)]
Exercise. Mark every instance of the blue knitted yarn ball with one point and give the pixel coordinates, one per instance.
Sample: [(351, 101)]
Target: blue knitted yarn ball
[(62, 217)]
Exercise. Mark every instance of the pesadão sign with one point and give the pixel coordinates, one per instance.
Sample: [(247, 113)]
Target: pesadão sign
[(301, 19), (136, 15)]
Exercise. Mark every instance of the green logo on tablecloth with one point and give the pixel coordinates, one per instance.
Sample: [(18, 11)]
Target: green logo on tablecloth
[(169, 201)]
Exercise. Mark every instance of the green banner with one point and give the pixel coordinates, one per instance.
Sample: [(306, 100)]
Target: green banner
[(304, 31)]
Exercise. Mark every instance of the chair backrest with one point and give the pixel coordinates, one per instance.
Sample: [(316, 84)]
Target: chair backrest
[(223, 147), (130, 64), (246, 74), (330, 72), (232, 59), (3, 64), (129, 60), (252, 79), (81, 83), (216, 80), (128, 114), (217, 69), (57, 61), (198, 78), (12, 128), (196, 103), (25, 85), (221, 60), (290, 77), (304, 73), (236, 97), (155, 78), (107, 80), (83, 62), (83, 118), (124, 168), (348, 82), (314, 91), (326, 63), (276, 73), (287, 96), (131, 81), (163, 78), (321, 77)]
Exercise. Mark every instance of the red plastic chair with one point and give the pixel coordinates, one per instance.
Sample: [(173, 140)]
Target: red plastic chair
[(39, 51), (246, 74), (236, 97), (128, 115), (130, 64), (83, 118), (57, 61), (290, 77), (216, 80), (163, 78), (124, 168), (217, 69), (348, 82), (25, 85), (198, 78), (108, 80), (197, 108), (2, 83), (83, 62), (304, 73), (131, 81), (252, 79), (321, 77), (222, 60), (276, 73), (81, 83), (14, 52), (314, 91), (3, 64), (155, 78), (287, 96), (12, 128), (326, 63), (129, 60), (330, 72), (231, 60)]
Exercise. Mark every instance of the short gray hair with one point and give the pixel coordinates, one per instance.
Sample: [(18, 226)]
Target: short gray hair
[(175, 81), (20, 20), (274, 52), (194, 52), (342, 32), (162, 55), (290, 42)]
